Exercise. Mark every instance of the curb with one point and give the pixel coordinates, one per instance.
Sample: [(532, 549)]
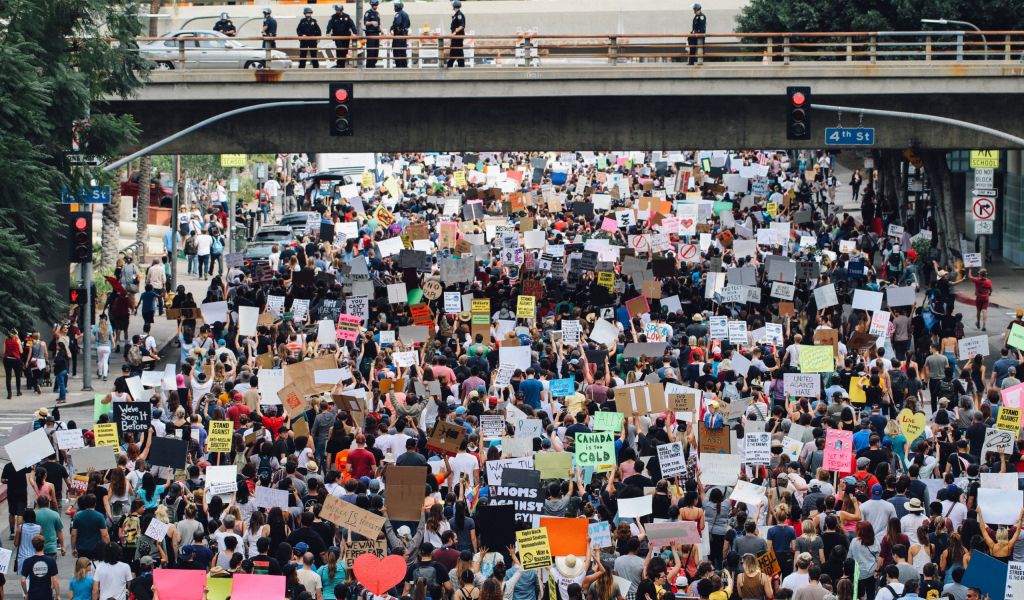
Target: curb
[(969, 300), (87, 401)]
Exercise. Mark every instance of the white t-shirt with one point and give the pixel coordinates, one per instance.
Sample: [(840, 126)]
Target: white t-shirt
[(204, 242), (463, 463), (113, 579), (794, 581), (956, 515), (220, 536), (884, 594), (271, 187)]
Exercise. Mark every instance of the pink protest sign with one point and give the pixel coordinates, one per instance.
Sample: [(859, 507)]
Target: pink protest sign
[(838, 450), (348, 327), (610, 225), (179, 584), (257, 587), (1012, 396)]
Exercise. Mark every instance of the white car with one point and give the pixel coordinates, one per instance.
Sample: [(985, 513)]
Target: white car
[(211, 50)]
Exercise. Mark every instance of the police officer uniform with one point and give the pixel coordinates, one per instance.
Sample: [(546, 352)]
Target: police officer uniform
[(341, 24), (308, 27), (269, 29), (225, 26), (458, 29), (699, 25), (400, 26), (371, 26)]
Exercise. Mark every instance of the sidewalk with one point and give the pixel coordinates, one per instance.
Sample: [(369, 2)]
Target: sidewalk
[(164, 330), (1006, 279)]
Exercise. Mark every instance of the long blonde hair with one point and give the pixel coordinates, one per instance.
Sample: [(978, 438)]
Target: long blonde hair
[(808, 529), (82, 568), (750, 566)]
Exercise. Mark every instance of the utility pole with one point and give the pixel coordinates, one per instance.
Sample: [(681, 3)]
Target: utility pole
[(87, 320), (179, 189)]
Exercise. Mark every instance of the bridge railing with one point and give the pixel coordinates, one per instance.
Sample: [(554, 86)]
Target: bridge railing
[(531, 50)]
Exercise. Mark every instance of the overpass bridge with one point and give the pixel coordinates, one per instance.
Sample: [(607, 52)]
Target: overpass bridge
[(606, 92)]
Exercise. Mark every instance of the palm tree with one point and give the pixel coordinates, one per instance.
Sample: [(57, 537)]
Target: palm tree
[(142, 222)]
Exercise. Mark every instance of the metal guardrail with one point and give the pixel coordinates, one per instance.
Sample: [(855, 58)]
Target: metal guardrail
[(430, 50)]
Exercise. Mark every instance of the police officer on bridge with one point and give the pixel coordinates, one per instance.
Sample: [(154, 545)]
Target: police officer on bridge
[(269, 29), (700, 25), (225, 25), (400, 27), (371, 26), (308, 28), (458, 28), (339, 25)]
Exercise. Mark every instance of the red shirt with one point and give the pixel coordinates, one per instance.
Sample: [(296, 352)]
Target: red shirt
[(982, 287), (235, 411), (12, 348), (273, 424), (362, 462)]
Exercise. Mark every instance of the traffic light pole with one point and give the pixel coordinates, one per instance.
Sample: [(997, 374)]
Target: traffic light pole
[(921, 117), (87, 323)]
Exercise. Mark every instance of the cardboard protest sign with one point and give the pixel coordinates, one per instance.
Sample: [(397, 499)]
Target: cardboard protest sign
[(350, 551), (534, 548), (292, 400), (641, 399), (714, 441), (446, 438), (566, 536), (351, 517), (520, 488), (496, 525), (132, 417), (168, 452), (769, 563), (553, 465), (98, 458), (406, 489)]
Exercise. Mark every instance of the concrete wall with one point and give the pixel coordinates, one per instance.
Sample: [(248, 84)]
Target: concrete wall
[(639, 107), (1013, 207)]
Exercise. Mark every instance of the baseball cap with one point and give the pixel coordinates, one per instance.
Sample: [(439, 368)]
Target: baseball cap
[(876, 491), (301, 546), (146, 561), (863, 462)]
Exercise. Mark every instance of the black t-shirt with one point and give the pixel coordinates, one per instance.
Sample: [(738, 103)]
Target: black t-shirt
[(877, 456), (976, 435), (265, 565), (56, 474), (141, 587), (39, 570), (17, 483)]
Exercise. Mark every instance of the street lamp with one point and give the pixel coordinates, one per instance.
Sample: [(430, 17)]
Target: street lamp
[(963, 23)]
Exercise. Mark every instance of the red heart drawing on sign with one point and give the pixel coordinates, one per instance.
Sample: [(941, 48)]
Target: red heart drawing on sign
[(378, 575), (686, 223)]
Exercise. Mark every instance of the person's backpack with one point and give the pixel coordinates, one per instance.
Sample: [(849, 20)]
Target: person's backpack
[(895, 596), (118, 509), (134, 355), (131, 527), (427, 571), (217, 247), (861, 486), (264, 471)]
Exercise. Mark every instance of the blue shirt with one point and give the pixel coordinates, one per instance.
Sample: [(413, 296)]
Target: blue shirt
[(531, 389), (81, 588), (861, 439), (781, 537), (148, 301)]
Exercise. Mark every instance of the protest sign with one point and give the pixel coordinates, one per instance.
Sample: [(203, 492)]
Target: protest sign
[(757, 448), (553, 465), (351, 517), (801, 385), (494, 468), (608, 421), (671, 459), (838, 450), (534, 548), (595, 449), (566, 536), (406, 487), (220, 436)]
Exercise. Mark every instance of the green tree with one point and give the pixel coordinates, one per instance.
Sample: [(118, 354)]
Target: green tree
[(58, 60)]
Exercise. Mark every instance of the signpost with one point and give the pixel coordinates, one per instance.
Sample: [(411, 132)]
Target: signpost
[(95, 194), (849, 136)]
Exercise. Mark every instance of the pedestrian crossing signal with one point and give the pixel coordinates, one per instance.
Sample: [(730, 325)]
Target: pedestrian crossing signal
[(76, 297), (341, 111)]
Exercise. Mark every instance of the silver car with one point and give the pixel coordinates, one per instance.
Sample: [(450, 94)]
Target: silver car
[(212, 50)]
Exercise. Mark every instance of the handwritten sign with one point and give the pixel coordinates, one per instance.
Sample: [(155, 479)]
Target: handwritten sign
[(838, 450), (351, 517)]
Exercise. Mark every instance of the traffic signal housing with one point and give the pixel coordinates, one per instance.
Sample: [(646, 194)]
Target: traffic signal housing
[(798, 113), (76, 297), (80, 237), (341, 109)]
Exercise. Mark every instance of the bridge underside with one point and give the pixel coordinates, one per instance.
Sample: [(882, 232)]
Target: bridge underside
[(616, 109)]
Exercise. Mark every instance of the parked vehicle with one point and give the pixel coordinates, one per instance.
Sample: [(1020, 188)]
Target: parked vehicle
[(212, 50)]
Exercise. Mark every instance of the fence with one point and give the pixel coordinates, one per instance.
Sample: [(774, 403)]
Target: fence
[(191, 50)]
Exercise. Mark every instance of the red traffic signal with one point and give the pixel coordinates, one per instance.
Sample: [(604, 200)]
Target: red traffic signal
[(798, 113), (76, 296), (340, 99), (79, 235)]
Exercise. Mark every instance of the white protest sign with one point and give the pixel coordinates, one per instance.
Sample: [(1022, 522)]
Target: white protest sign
[(969, 347), (671, 459), (757, 448), (248, 317)]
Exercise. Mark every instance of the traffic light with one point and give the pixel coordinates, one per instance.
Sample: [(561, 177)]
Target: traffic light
[(80, 237), (341, 108), (76, 297), (798, 113)]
